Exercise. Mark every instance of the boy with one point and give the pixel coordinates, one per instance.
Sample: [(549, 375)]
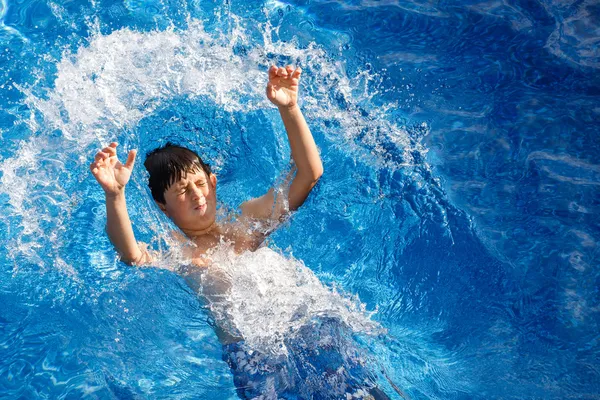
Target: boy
[(184, 188)]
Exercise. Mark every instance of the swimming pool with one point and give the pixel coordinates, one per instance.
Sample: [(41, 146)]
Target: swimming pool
[(459, 200)]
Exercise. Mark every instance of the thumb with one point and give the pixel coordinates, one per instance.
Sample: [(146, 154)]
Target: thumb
[(131, 159)]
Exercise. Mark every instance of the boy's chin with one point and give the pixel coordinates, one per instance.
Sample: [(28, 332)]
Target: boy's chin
[(205, 220), (197, 220)]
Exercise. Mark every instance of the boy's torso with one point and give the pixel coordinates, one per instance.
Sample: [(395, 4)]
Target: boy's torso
[(241, 236), (211, 282)]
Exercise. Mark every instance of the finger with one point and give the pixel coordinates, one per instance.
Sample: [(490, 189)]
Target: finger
[(297, 73), (130, 159), (94, 167), (101, 155), (272, 72), (110, 150), (289, 69), (281, 72)]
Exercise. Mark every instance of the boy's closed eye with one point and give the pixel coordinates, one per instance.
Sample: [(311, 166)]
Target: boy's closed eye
[(183, 189)]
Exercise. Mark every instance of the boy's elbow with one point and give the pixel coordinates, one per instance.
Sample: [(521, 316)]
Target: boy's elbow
[(313, 176), (317, 172)]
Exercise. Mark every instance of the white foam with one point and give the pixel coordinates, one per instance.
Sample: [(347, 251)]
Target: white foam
[(270, 297), (122, 77)]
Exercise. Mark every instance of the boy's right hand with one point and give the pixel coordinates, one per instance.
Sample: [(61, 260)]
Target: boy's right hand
[(109, 172)]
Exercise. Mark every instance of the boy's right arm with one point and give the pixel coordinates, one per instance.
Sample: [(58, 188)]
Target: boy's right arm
[(112, 177)]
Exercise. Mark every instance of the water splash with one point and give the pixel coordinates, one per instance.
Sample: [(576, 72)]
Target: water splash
[(122, 77), (271, 297), (106, 88)]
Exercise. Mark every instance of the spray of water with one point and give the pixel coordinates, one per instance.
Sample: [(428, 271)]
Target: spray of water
[(269, 297)]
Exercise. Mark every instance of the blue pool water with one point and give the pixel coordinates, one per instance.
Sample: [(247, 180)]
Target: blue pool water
[(455, 228)]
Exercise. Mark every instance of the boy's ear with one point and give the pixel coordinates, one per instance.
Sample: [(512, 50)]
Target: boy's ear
[(213, 180), (162, 207)]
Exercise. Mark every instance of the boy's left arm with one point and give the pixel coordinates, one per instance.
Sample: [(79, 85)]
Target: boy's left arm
[(282, 90)]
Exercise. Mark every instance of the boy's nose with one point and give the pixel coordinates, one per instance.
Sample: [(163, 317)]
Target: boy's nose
[(197, 193)]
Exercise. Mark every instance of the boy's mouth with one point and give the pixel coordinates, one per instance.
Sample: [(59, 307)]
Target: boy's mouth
[(200, 207)]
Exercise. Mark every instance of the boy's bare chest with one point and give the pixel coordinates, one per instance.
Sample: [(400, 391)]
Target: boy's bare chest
[(241, 240)]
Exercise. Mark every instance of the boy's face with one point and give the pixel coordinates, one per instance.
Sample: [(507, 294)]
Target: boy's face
[(191, 203)]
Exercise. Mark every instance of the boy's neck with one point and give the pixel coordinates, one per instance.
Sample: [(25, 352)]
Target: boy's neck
[(195, 234)]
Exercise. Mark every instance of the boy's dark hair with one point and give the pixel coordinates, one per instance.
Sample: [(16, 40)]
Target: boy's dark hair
[(168, 164)]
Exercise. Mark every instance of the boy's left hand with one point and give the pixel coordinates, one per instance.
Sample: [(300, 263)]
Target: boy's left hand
[(282, 88)]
